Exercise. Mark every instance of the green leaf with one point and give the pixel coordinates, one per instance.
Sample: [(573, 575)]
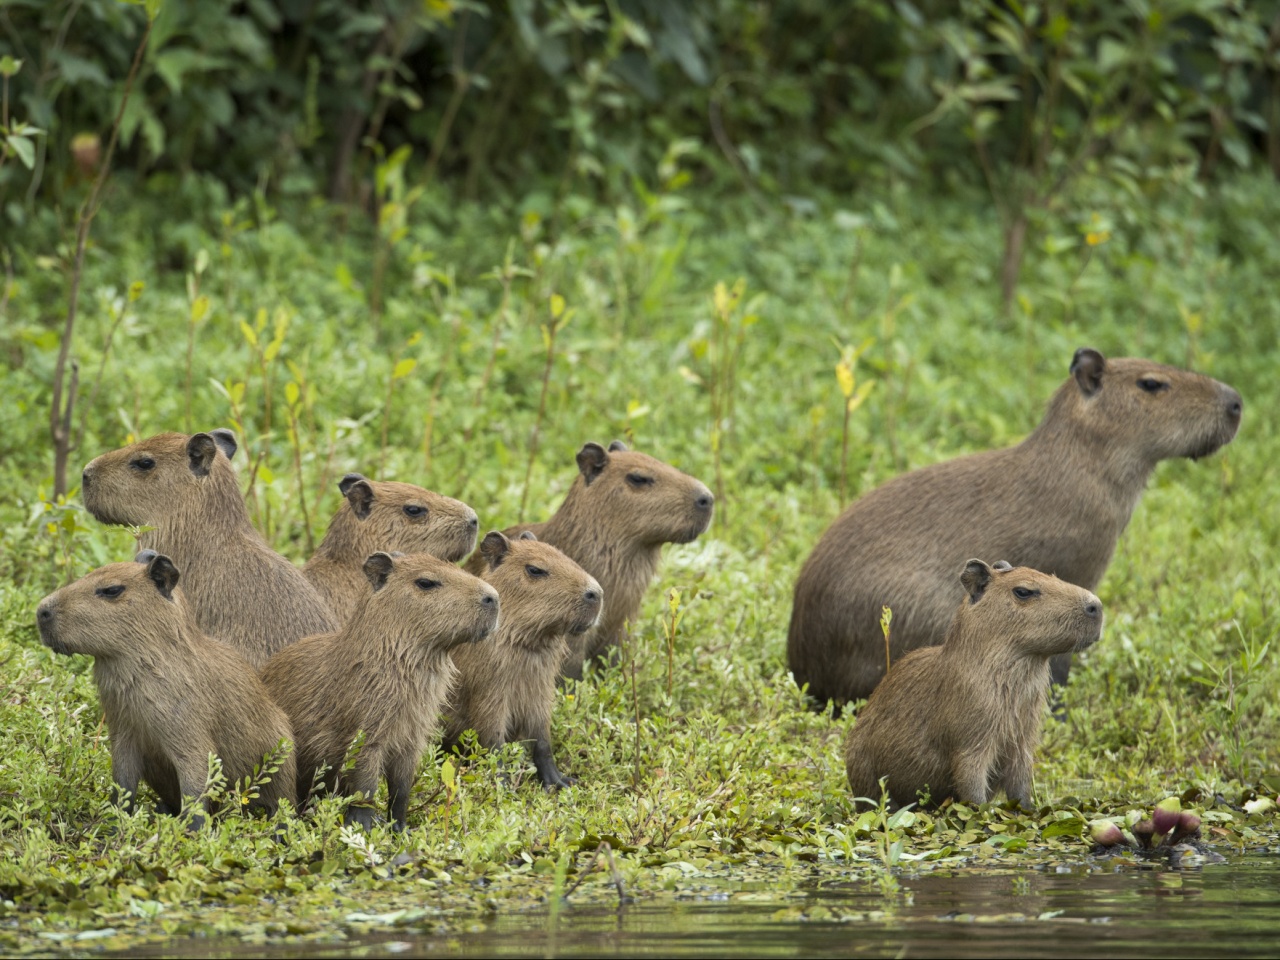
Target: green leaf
[(1068, 827), (403, 368), (9, 66), (23, 147)]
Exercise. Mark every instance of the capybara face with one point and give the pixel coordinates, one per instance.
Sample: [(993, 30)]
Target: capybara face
[(1159, 412), (385, 515), (448, 606), (150, 480), (546, 591), (113, 609), (643, 499), (1030, 611)]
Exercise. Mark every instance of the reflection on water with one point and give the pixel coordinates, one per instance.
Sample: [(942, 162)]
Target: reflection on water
[(1110, 910)]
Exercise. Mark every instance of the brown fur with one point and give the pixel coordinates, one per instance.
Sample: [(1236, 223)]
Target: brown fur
[(963, 719), (506, 688), (241, 591), (1056, 502), (386, 672), (614, 528), (384, 515), (171, 694)]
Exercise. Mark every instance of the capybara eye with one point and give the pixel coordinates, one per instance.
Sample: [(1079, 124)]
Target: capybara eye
[(639, 480), (1025, 593), (414, 510), (143, 463), (425, 583), (536, 572), (1152, 385), (110, 592)]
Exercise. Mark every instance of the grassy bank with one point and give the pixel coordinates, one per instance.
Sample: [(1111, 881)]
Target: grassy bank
[(420, 355)]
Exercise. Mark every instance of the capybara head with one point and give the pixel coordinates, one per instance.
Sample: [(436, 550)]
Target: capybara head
[(113, 609), (160, 477), (385, 515), (435, 600), (1157, 412), (540, 587), (636, 497), (1026, 611)]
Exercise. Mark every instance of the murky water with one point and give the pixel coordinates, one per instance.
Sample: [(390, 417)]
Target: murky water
[(1230, 909)]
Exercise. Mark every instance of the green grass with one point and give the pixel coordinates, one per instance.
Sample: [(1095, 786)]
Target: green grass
[(735, 775)]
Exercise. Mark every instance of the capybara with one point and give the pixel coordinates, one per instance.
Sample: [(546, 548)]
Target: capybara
[(171, 695), (962, 719), (387, 516), (623, 506), (386, 673), (184, 487), (1058, 502), (506, 688)]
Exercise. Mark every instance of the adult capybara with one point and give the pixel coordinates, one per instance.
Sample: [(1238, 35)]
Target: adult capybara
[(385, 673), (506, 688), (171, 695), (184, 487), (1056, 502), (962, 720), (623, 506), (384, 516)]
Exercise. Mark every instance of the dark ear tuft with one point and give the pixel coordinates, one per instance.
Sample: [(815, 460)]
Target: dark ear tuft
[(494, 548), (345, 483), (145, 556), (528, 535), (377, 568), (226, 441), (201, 451), (163, 574), (1002, 566), (617, 445), (975, 577), (359, 494), (591, 461), (1086, 367)]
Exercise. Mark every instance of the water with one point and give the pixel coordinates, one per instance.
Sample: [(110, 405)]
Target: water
[(1229, 910)]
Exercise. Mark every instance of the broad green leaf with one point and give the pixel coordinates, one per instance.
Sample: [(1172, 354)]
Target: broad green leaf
[(403, 368)]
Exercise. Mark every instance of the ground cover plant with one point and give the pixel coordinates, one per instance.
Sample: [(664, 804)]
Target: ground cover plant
[(732, 339)]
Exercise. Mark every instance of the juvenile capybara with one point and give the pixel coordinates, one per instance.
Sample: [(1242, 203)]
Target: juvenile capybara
[(623, 506), (184, 487), (386, 673), (506, 688), (962, 719), (1057, 502), (171, 695), (384, 516)]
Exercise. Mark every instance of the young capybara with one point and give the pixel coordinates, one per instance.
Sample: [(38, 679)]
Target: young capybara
[(623, 506), (1058, 502), (962, 719), (506, 688), (171, 695), (184, 487), (385, 673), (389, 516)]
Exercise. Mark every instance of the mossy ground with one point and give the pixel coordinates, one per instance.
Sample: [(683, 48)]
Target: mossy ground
[(727, 776)]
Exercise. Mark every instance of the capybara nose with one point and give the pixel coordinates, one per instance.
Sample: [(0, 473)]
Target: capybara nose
[(473, 523), (1235, 406), (704, 502), (488, 600), (85, 477), (44, 614), (592, 596), (1093, 609)]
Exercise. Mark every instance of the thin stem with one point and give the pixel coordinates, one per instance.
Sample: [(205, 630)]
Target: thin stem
[(537, 423)]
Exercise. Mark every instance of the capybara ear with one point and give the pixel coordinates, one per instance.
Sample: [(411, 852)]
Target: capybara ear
[(1002, 566), (591, 461), (163, 574), (359, 494), (494, 548), (226, 441), (145, 556), (975, 577), (1086, 367), (377, 568), (528, 535), (345, 483), (201, 450), (617, 445)]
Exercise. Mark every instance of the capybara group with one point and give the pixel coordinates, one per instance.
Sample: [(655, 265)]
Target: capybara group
[(623, 506), (962, 719), (385, 673), (384, 515), (1058, 501), (506, 687), (171, 695), (184, 488)]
